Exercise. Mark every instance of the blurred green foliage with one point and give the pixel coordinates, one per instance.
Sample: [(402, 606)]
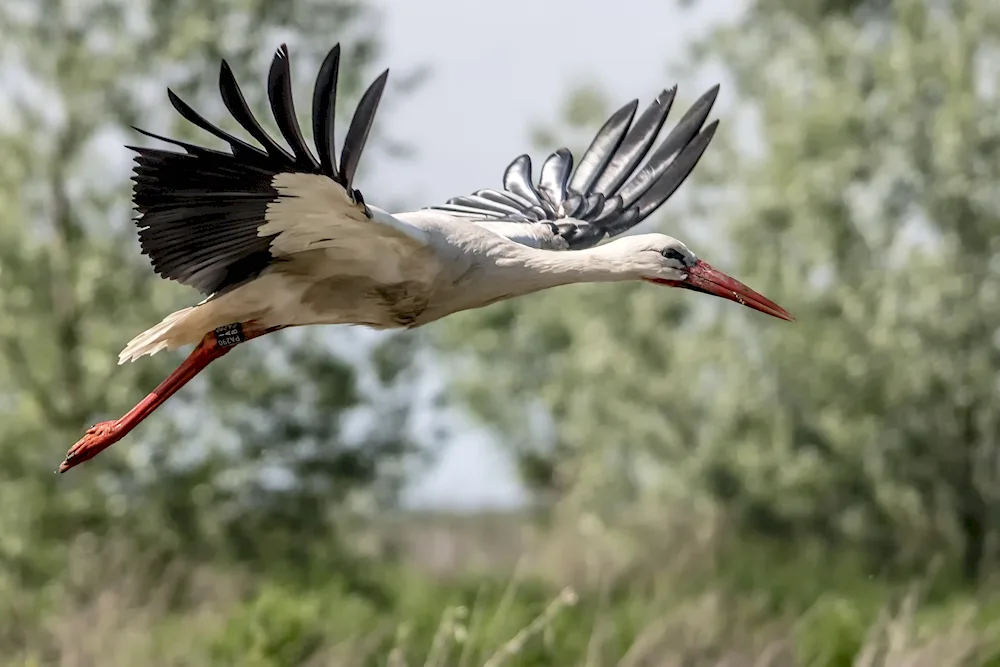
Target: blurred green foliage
[(209, 477), (651, 618), (856, 185), (723, 489)]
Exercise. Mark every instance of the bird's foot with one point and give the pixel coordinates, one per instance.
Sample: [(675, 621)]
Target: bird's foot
[(97, 438)]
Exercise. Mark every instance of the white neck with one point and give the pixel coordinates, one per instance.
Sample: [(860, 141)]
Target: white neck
[(526, 270)]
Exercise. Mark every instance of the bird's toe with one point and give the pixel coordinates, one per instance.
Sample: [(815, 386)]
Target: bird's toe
[(97, 438)]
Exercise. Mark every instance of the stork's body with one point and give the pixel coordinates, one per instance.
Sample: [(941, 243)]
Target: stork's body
[(455, 266), (279, 239)]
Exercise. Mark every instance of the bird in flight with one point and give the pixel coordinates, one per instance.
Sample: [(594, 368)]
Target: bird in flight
[(278, 237)]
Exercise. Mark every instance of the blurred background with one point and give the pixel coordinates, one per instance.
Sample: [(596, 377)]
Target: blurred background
[(597, 475)]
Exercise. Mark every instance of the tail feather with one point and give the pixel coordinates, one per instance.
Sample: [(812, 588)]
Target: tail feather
[(163, 336), (254, 302)]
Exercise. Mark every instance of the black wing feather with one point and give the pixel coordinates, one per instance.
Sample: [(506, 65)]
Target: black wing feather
[(572, 205), (519, 204), (608, 193), (237, 105), (555, 176), (517, 180), (279, 94), (682, 134), (237, 145), (603, 148), (361, 125), (676, 173), (198, 212), (636, 143), (324, 111), (480, 202)]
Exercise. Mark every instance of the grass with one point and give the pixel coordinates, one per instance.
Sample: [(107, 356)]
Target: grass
[(744, 609)]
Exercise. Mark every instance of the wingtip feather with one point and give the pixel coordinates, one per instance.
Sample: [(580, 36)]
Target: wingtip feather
[(635, 144), (237, 105), (279, 94), (360, 128), (602, 148), (676, 173), (324, 111)]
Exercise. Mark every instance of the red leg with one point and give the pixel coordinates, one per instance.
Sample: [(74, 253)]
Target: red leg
[(101, 436)]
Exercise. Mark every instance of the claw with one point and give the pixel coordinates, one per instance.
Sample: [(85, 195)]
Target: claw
[(97, 438)]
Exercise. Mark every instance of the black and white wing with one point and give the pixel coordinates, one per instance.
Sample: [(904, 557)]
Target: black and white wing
[(607, 194), (214, 220)]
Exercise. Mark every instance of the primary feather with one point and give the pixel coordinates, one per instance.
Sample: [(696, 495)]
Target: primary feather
[(605, 195), (201, 213)]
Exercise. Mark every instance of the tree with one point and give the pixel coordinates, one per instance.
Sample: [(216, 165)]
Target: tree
[(891, 168), (868, 209), (73, 286)]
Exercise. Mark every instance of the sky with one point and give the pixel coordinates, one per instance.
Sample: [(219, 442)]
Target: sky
[(493, 74)]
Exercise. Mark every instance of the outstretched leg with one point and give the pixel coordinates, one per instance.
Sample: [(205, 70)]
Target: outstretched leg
[(214, 345)]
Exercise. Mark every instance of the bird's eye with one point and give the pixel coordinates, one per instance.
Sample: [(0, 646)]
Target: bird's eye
[(673, 253)]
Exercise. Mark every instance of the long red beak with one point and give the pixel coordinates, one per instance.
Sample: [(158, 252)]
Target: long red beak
[(703, 278)]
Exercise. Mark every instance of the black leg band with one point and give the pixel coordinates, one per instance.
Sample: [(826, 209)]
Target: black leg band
[(230, 335)]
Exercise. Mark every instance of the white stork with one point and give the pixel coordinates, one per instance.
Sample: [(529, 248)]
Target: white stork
[(277, 239)]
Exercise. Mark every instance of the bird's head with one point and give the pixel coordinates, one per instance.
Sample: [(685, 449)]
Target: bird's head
[(663, 260)]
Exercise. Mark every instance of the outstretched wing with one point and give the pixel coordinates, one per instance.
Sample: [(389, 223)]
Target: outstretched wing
[(214, 220), (608, 193)]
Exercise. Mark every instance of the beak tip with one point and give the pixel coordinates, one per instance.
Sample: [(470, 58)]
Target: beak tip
[(710, 280)]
